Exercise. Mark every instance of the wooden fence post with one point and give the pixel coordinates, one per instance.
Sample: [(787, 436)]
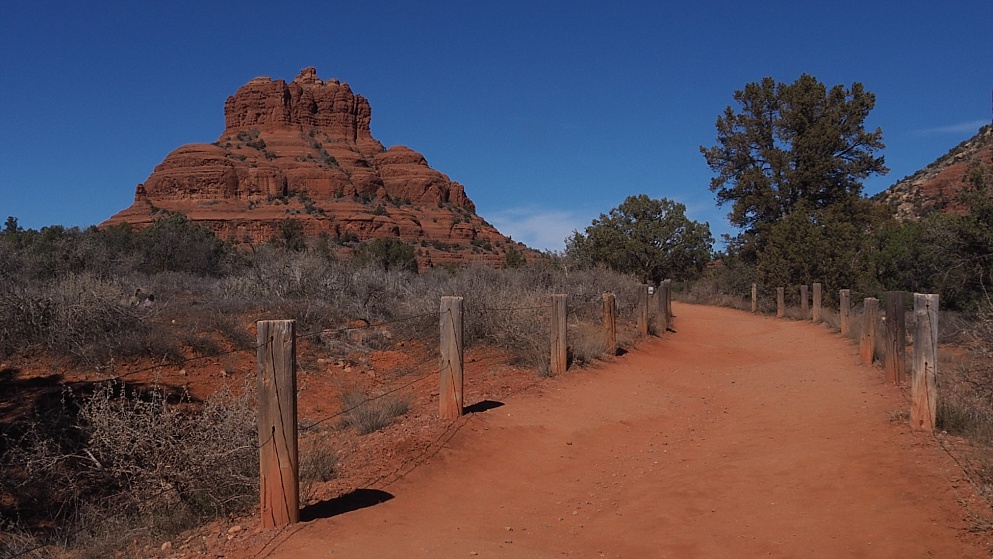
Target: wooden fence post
[(643, 310), (895, 362), (817, 303), (450, 395), (804, 302), (279, 465), (655, 312), (610, 323), (667, 299), (844, 309), (870, 315), (755, 297), (923, 391), (780, 302), (559, 329)]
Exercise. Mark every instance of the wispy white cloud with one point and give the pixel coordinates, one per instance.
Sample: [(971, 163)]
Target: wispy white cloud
[(548, 229), (540, 229), (972, 126)]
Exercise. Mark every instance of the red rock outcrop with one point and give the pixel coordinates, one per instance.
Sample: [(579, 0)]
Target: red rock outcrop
[(937, 186), (304, 150)]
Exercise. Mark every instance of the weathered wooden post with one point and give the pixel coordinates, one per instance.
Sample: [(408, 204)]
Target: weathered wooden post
[(867, 345), (559, 329), (665, 306), (817, 303), (804, 303), (667, 291), (780, 302), (844, 309), (279, 465), (755, 297), (450, 395), (895, 362), (643, 310), (610, 323), (655, 312), (923, 390)]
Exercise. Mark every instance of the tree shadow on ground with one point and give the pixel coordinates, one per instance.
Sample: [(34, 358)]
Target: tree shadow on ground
[(39, 415), (349, 502), (21, 397)]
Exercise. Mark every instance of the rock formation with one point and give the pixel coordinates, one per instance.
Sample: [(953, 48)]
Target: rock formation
[(936, 187), (303, 150)]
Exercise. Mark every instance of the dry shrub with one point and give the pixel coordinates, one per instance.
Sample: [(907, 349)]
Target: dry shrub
[(99, 471), (15, 541), (855, 322), (79, 315), (524, 331), (965, 397), (318, 464), (706, 291), (367, 413), (832, 319), (586, 343), (511, 308), (117, 465), (882, 348), (795, 313)]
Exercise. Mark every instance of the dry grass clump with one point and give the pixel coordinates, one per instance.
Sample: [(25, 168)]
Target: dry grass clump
[(965, 396), (369, 413), (831, 318), (966, 392), (318, 464), (586, 343)]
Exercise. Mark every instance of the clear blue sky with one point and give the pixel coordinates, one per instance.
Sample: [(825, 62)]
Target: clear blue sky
[(549, 112)]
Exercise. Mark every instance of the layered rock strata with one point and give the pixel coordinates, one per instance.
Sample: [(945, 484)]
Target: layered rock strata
[(303, 150)]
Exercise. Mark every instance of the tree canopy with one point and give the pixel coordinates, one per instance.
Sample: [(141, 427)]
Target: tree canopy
[(792, 147), (650, 238)]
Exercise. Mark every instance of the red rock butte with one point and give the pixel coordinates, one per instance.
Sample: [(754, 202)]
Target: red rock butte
[(303, 151)]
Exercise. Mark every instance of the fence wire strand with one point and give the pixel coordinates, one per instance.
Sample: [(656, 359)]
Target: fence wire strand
[(389, 477)]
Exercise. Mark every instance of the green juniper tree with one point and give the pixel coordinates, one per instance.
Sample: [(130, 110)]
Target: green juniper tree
[(650, 238), (791, 163)]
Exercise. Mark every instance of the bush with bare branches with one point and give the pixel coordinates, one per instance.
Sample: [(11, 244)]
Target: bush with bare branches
[(123, 463)]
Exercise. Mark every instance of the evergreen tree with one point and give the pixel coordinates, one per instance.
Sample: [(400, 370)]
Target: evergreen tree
[(792, 147), (650, 238)]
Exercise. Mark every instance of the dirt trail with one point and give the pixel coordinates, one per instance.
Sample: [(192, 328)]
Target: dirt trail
[(739, 436)]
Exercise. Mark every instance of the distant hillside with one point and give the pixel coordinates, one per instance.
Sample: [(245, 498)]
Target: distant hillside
[(303, 151), (935, 187)]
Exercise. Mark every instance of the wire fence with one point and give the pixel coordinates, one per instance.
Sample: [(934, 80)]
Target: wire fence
[(336, 345)]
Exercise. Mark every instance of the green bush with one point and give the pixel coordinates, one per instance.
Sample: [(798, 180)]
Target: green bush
[(391, 254)]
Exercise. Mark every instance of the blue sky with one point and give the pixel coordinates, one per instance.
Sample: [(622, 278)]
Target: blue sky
[(549, 113)]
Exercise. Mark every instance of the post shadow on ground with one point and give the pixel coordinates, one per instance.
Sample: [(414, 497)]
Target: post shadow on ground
[(480, 407), (349, 502)]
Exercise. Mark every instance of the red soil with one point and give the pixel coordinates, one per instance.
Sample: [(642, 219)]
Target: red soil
[(739, 436)]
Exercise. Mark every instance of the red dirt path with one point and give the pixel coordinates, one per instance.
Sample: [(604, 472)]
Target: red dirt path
[(738, 436)]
